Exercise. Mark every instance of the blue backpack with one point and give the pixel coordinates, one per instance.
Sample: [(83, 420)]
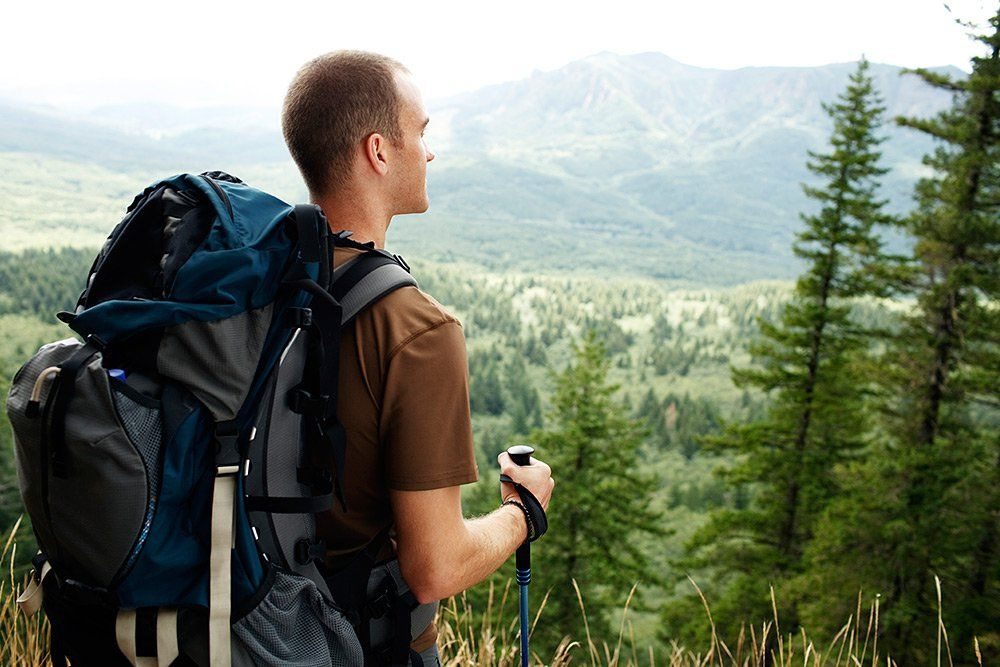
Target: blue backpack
[(172, 462)]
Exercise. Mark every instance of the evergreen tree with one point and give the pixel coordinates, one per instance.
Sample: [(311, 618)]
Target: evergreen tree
[(925, 503), (486, 394), (806, 363), (522, 401), (601, 506)]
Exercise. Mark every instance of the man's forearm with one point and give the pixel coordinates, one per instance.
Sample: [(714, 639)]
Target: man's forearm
[(485, 544)]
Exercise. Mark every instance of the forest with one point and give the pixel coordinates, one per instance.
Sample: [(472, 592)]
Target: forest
[(795, 449)]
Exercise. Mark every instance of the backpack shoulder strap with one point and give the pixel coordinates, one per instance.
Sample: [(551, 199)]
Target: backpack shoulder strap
[(366, 279), (357, 284)]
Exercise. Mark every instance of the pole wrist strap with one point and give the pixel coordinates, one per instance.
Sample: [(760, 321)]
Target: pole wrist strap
[(534, 514)]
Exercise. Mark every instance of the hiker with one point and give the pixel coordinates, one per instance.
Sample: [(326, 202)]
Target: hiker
[(354, 124)]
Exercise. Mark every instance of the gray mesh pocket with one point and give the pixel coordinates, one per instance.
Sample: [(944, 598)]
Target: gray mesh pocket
[(294, 625), (143, 424)]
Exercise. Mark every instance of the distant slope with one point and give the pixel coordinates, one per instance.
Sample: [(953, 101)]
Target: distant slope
[(613, 164)]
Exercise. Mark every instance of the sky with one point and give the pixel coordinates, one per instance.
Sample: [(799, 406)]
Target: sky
[(192, 54)]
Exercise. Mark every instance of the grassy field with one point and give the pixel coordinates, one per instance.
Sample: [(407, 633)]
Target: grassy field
[(490, 638)]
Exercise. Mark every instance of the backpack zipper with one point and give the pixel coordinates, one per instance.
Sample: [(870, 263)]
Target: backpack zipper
[(222, 194)]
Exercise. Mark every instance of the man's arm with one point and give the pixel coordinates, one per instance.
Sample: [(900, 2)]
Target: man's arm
[(440, 553)]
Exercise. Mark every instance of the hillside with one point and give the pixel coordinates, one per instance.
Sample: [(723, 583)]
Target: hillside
[(623, 164)]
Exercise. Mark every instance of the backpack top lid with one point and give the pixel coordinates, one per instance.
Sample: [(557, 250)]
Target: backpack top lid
[(199, 248)]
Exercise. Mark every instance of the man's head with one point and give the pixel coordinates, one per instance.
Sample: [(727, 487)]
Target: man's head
[(354, 121)]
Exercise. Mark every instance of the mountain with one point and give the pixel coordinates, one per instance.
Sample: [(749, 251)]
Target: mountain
[(613, 164)]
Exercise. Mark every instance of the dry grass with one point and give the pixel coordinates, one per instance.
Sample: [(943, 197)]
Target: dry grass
[(24, 641), (491, 638), (491, 642)]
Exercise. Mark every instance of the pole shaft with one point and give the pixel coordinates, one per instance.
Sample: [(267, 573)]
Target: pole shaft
[(524, 621)]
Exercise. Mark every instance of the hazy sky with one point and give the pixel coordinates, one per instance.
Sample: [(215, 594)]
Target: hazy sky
[(202, 53)]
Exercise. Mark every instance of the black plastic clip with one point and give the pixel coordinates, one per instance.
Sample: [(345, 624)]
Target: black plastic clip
[(298, 318), (97, 342), (307, 551), (384, 599), (402, 262), (318, 479), (303, 402), (227, 450)]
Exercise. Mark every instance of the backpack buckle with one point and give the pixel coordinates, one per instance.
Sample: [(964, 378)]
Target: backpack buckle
[(227, 450), (303, 402), (385, 596), (307, 551), (402, 262), (298, 318), (318, 479)]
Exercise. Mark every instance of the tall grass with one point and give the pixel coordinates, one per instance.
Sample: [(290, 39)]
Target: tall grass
[(490, 638), (491, 641), (24, 640)]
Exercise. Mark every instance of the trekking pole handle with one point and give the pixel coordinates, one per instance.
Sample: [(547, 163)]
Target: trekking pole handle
[(521, 454)]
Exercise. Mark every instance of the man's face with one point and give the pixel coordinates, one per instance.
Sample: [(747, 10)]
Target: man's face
[(410, 172)]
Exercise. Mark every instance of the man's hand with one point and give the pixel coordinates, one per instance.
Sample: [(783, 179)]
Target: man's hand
[(440, 553), (536, 477)]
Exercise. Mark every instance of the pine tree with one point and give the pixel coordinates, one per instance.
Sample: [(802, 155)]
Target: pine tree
[(925, 503), (601, 503), (805, 361)]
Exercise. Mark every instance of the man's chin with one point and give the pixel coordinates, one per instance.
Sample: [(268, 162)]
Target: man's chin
[(415, 208), (421, 208)]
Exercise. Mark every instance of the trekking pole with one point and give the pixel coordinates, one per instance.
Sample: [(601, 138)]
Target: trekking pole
[(521, 455)]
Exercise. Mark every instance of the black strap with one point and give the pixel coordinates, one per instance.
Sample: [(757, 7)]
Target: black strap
[(399, 606), (349, 584), (305, 222), (312, 239), (335, 438), (538, 524), (145, 632), (289, 504), (314, 288), (401, 637), (64, 386), (56, 652), (325, 436)]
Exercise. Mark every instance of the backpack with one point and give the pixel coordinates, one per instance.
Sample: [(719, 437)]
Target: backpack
[(172, 462)]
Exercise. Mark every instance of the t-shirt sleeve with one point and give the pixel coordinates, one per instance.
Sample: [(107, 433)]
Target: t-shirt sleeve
[(425, 423)]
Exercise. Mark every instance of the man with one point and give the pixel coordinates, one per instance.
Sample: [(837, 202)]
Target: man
[(354, 124)]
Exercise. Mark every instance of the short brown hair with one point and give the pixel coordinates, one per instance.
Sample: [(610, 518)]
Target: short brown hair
[(335, 101)]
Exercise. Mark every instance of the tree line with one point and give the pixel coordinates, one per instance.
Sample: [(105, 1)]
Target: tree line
[(876, 467)]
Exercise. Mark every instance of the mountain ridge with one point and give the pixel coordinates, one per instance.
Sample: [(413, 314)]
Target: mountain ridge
[(651, 165)]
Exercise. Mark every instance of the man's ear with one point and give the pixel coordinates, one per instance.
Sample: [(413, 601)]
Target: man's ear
[(375, 152)]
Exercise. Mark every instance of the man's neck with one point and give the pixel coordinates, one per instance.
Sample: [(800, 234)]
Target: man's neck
[(364, 216)]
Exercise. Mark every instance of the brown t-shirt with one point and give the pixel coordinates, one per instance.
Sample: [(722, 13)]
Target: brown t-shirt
[(404, 402)]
